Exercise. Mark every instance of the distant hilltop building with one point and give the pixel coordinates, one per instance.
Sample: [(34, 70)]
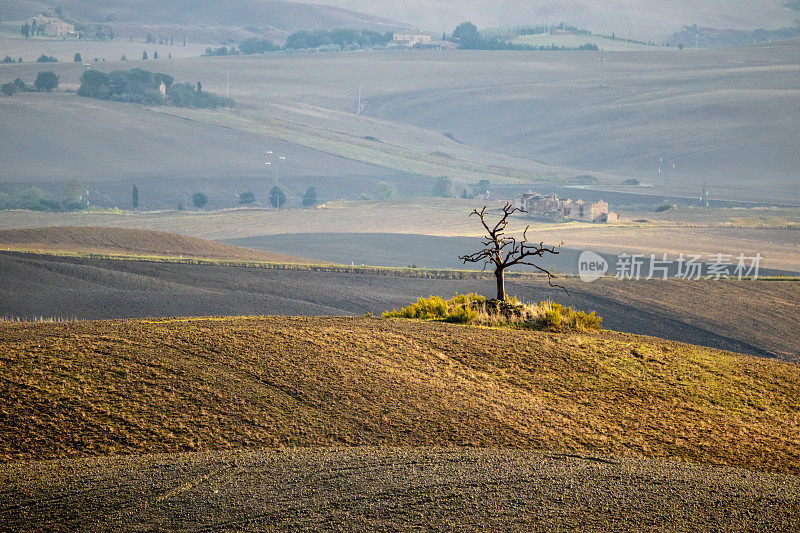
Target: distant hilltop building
[(59, 28), (554, 208), (53, 27), (409, 40)]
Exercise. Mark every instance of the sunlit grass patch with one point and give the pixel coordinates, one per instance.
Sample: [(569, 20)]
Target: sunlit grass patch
[(477, 310)]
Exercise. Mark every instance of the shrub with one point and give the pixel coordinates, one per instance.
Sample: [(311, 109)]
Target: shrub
[(582, 321), (210, 52), (475, 309), (199, 199), (425, 309), (46, 81), (558, 316), (457, 309), (257, 46), (310, 197), (46, 59), (553, 315), (9, 88), (384, 191), (277, 197), (462, 315)]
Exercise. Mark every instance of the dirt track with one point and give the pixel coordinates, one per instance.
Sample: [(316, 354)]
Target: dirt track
[(391, 489)]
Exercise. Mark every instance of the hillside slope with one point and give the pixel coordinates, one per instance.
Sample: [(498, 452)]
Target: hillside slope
[(640, 19), (288, 16), (733, 115), (166, 385), (131, 242), (167, 157)]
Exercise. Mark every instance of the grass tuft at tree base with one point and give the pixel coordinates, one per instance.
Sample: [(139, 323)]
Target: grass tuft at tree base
[(475, 309)]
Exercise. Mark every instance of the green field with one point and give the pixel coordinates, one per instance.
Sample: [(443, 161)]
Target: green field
[(571, 40)]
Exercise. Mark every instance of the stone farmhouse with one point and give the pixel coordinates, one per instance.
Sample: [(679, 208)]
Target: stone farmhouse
[(59, 28), (409, 40), (554, 208), (53, 27)]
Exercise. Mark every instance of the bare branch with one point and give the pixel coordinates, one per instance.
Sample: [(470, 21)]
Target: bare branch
[(505, 251)]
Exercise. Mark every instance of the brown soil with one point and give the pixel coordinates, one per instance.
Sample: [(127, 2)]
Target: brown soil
[(392, 489)]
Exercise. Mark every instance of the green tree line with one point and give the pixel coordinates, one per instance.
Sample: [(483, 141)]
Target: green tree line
[(142, 86)]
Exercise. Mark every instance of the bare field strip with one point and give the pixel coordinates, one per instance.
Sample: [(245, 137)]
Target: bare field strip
[(571, 40), (130, 243), (398, 489), (690, 230), (699, 312)]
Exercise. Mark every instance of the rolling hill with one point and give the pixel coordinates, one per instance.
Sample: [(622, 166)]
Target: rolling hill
[(286, 16), (639, 19), (121, 241), (168, 385), (732, 117), (167, 158)]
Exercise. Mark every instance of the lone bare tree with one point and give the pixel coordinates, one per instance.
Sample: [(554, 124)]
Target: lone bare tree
[(504, 252)]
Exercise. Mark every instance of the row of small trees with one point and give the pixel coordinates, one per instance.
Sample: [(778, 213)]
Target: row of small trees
[(277, 198), (443, 187), (338, 39)]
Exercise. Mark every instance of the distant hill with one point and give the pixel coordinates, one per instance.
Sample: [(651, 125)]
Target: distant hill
[(131, 242), (283, 15), (169, 385), (638, 19), (172, 159)]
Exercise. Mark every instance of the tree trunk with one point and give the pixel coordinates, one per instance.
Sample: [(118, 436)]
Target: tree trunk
[(501, 287)]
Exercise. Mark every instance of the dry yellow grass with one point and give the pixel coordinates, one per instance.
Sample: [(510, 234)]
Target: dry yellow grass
[(165, 385)]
